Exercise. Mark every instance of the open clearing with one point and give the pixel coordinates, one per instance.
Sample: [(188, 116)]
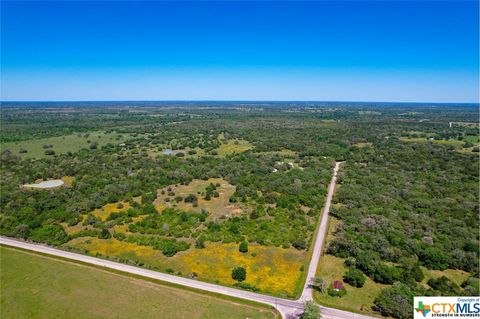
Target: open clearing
[(216, 206), (426, 140), (107, 209), (455, 143), (34, 286), (234, 146), (360, 300), (62, 144), (271, 269)]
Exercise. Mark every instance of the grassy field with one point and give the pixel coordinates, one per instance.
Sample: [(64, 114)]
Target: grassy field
[(456, 275), (457, 144), (216, 206), (425, 140), (273, 270), (362, 145), (62, 144), (472, 139), (35, 286), (233, 146), (360, 300)]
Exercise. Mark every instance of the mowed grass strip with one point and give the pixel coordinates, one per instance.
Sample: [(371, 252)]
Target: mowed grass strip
[(35, 286)]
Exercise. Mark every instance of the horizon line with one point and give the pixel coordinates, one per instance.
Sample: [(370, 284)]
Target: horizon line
[(238, 100)]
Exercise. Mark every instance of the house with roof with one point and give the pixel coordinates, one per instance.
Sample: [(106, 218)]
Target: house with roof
[(338, 285)]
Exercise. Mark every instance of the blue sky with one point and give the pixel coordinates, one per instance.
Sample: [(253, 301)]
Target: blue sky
[(350, 51)]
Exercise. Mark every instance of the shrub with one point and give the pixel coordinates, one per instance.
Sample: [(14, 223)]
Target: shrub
[(445, 286), (243, 248), (395, 301), (50, 234), (311, 310), (246, 286), (354, 277), (239, 274), (200, 243), (336, 293), (299, 244), (190, 198), (320, 284)]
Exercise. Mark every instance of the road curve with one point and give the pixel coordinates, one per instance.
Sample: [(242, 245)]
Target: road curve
[(288, 308)]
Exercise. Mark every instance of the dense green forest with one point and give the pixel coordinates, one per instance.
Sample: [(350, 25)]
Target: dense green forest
[(408, 193)]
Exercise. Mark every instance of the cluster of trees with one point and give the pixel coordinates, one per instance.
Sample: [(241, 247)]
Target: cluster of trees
[(411, 205), (407, 204), (397, 300), (405, 200)]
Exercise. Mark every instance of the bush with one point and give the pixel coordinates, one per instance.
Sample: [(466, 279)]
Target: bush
[(105, 234), (311, 311), (200, 243), (50, 234), (243, 248), (246, 286), (320, 284), (190, 198), (395, 301), (336, 293), (444, 286), (239, 274), (299, 244), (354, 277)]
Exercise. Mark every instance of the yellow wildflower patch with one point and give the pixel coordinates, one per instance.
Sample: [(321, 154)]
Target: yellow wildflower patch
[(234, 146), (68, 180), (107, 209), (273, 270)]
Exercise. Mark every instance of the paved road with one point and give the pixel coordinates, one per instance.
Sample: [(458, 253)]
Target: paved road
[(288, 308)]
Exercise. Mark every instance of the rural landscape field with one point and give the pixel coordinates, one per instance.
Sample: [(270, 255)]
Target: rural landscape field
[(239, 159), (199, 191)]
